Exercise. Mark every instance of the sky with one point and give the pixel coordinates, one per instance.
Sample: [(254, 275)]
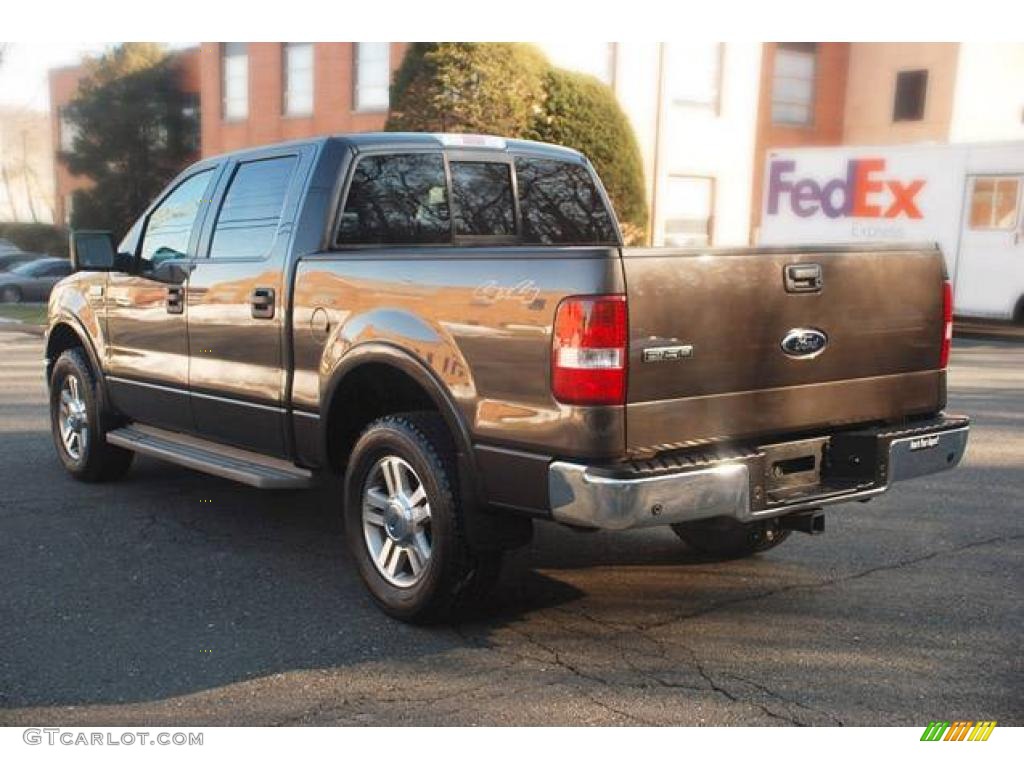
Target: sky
[(23, 79)]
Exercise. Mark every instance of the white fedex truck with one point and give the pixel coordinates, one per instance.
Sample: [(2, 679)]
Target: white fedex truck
[(969, 198)]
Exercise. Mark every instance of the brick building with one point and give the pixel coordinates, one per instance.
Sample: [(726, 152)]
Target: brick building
[(259, 93)]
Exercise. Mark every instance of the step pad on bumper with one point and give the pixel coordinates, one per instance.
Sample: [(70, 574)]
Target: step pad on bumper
[(845, 466)]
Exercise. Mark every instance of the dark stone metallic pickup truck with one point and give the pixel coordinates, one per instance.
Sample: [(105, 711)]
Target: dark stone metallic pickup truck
[(451, 324)]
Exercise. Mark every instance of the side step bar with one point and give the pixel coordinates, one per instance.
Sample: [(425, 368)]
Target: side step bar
[(212, 458)]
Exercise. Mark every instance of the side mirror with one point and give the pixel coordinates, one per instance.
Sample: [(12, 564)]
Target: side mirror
[(93, 250), (170, 272)]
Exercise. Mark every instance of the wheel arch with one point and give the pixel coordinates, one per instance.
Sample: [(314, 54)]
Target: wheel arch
[(65, 333), (381, 356), (486, 529)]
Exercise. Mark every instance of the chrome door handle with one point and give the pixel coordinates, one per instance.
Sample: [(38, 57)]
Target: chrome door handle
[(262, 301)]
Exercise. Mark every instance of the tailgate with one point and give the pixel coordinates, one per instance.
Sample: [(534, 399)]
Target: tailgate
[(708, 329)]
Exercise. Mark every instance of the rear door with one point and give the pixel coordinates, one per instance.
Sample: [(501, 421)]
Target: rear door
[(237, 302), (990, 264), (728, 345)]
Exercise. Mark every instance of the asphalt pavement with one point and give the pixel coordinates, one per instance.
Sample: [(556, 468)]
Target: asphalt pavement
[(173, 598)]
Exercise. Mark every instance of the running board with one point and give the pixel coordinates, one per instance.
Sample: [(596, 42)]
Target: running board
[(212, 458)]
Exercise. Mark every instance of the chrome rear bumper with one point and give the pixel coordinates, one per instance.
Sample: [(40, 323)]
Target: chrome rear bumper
[(608, 498)]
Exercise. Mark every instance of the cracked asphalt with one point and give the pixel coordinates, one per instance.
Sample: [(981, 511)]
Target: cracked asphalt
[(136, 603)]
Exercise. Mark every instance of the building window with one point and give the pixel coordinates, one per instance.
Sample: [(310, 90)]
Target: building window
[(689, 211), (235, 71), (793, 83), (68, 131), (373, 75), (695, 74), (298, 79), (190, 113), (911, 88), (994, 203)]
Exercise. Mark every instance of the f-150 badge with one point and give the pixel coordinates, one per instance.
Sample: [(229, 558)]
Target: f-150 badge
[(662, 354)]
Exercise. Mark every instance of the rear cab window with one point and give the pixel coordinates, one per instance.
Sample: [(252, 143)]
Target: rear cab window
[(482, 198), (561, 205), (397, 199), (472, 198)]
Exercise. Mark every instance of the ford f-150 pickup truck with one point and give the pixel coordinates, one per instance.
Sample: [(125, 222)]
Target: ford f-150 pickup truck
[(452, 325)]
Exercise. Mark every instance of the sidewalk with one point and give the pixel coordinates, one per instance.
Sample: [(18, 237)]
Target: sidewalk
[(982, 329)]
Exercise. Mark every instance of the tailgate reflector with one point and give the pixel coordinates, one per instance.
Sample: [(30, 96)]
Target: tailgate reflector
[(947, 323), (588, 350)]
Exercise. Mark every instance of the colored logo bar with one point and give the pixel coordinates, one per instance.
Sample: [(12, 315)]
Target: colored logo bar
[(959, 730)]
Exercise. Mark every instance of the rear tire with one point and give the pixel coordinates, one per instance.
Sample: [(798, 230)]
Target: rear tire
[(77, 424), (725, 538), (405, 524)]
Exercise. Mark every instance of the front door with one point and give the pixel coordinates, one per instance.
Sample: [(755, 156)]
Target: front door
[(236, 299), (147, 347), (989, 276)]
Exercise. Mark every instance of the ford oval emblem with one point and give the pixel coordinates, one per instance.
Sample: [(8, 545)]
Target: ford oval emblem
[(804, 343)]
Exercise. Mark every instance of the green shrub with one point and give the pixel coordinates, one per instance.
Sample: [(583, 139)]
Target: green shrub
[(467, 88), (581, 112), (509, 89), (36, 238)]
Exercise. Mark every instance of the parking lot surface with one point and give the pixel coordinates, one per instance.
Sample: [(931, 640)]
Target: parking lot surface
[(173, 598)]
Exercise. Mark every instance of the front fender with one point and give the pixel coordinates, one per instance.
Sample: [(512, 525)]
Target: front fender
[(71, 306)]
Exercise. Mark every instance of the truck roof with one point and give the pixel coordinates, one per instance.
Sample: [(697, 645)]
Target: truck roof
[(398, 140)]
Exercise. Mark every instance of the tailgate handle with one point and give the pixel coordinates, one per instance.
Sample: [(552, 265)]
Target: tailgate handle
[(803, 278)]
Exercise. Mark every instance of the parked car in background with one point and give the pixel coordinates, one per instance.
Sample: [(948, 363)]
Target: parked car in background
[(10, 259), (32, 280)]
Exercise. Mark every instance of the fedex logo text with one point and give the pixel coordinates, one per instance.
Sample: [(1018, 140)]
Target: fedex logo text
[(863, 193)]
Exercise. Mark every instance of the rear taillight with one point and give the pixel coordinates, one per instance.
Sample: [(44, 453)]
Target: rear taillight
[(588, 351), (947, 323)]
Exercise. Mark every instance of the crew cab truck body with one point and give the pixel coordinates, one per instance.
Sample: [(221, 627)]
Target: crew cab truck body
[(452, 325)]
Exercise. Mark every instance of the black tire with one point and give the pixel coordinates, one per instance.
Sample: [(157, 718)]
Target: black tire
[(97, 460), (10, 294), (455, 577), (725, 538)]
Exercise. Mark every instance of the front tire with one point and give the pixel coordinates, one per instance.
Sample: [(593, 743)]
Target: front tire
[(404, 521), (725, 538), (77, 425)]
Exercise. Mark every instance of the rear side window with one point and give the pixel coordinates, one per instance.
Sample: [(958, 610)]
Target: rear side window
[(397, 200), (251, 213), (560, 204), (482, 196)]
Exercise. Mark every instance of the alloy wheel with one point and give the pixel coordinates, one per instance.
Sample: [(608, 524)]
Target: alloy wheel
[(74, 419), (396, 521)]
